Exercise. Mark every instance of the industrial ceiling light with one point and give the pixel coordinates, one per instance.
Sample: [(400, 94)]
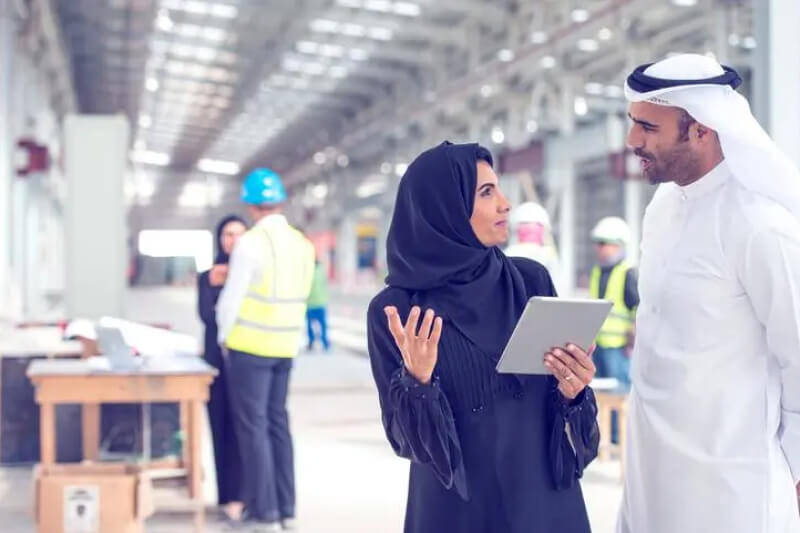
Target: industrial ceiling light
[(217, 166), (324, 25), (605, 34), (684, 3), (151, 84), (548, 62), (145, 121), (498, 137), (594, 88), (382, 6), (538, 37), (505, 55), (150, 158), (588, 45), (408, 9), (749, 42), (386, 167), (163, 22), (532, 126), (580, 15), (581, 106), (358, 54), (320, 158), (400, 169), (487, 91), (342, 160)]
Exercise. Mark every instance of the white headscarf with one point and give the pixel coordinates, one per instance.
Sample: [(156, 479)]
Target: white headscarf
[(752, 157)]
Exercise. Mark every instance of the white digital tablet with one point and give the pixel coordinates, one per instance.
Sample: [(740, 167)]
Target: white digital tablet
[(549, 322)]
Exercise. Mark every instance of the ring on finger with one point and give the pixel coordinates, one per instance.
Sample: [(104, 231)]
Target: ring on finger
[(568, 377)]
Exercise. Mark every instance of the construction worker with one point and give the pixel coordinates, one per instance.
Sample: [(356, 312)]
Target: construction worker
[(532, 237), (260, 314), (613, 279)]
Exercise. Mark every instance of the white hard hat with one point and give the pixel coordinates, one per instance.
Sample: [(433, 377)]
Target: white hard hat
[(612, 229), (530, 213)]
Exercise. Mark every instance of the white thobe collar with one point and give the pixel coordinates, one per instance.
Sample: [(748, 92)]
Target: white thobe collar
[(714, 179)]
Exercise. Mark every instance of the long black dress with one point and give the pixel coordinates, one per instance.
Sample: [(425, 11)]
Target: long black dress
[(489, 452), (227, 458)]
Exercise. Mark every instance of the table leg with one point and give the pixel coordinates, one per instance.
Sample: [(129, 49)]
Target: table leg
[(184, 428), (195, 443), (90, 422), (47, 434)]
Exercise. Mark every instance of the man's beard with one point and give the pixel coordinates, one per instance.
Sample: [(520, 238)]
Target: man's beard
[(672, 166)]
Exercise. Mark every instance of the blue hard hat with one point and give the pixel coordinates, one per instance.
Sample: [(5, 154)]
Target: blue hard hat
[(263, 186)]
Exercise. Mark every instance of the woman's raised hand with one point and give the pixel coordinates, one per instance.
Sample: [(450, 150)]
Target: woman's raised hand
[(418, 346)]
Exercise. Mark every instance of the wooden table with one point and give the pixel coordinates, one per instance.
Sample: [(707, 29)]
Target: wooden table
[(184, 380), (608, 401)]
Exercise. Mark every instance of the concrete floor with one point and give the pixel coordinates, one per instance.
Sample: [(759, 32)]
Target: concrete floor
[(348, 480)]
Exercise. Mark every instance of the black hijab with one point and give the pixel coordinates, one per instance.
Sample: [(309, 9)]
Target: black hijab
[(432, 249), (222, 257)]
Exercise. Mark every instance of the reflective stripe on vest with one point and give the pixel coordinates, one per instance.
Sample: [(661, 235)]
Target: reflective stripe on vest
[(272, 313), (615, 330)]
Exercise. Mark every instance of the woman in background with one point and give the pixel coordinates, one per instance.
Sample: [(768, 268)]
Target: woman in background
[(226, 450)]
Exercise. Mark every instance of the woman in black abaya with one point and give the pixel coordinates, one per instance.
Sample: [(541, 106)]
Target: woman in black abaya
[(489, 452)]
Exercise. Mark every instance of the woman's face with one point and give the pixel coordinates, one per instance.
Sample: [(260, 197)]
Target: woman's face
[(490, 214), (230, 234)]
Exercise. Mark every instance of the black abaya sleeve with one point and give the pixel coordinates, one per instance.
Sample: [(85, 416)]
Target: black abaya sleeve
[(417, 418), (569, 452), (206, 300), (575, 436)]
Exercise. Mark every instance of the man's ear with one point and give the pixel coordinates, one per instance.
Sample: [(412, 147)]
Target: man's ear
[(703, 131)]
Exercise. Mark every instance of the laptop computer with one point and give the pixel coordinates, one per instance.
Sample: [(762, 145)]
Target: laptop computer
[(112, 345)]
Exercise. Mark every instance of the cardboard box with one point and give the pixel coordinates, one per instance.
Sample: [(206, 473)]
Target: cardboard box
[(91, 498)]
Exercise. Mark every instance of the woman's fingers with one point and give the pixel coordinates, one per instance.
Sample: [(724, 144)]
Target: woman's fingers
[(583, 357), (395, 326), (569, 365), (437, 331), (427, 324), (413, 320)]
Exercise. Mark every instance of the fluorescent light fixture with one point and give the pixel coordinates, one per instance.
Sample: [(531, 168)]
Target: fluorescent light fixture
[(498, 137), (198, 8), (324, 25), (150, 158), (353, 30), (163, 22), (605, 34), (319, 191), (579, 15), (400, 169), (594, 88), (313, 68), (365, 190), (145, 121), (505, 55), (337, 71), (218, 166), (749, 42), (685, 3), (320, 158), (342, 160), (548, 62), (581, 106), (214, 34), (380, 34), (350, 3), (151, 84), (331, 50), (383, 6), (386, 167), (139, 145), (734, 39), (358, 54), (614, 91), (407, 9), (144, 188), (588, 45), (532, 126), (487, 91), (538, 37), (224, 11)]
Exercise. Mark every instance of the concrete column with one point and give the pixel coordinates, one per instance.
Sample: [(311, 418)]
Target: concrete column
[(7, 30), (346, 251), (776, 74), (566, 182), (96, 255), (616, 132)]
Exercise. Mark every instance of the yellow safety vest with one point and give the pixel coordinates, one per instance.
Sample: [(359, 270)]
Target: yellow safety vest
[(614, 332), (272, 314)]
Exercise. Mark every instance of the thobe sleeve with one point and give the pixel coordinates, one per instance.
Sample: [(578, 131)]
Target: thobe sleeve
[(770, 274), (575, 436), (417, 418)]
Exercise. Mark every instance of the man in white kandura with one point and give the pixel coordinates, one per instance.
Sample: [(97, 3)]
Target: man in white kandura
[(714, 413)]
